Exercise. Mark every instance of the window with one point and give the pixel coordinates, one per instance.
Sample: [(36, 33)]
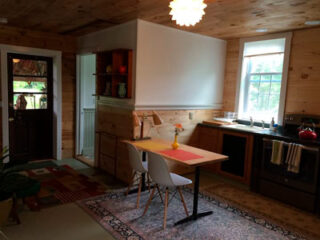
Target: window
[(263, 79), (29, 84)]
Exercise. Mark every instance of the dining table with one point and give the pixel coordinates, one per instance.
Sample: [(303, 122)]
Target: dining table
[(186, 155)]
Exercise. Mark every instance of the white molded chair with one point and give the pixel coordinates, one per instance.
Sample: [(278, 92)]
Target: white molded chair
[(138, 166), (159, 172)]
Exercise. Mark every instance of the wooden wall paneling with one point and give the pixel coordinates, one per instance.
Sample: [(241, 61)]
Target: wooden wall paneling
[(68, 104), (66, 44), (231, 74), (223, 19), (36, 39), (303, 86), (303, 83)]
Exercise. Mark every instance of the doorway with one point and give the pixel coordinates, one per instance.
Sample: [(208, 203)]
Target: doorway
[(30, 107), (86, 104)]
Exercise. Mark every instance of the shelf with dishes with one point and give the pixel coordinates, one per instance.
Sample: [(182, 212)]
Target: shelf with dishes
[(114, 73)]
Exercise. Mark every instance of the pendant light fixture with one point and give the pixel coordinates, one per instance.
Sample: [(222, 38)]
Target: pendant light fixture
[(187, 12)]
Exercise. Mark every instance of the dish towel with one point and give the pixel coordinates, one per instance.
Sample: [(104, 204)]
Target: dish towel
[(277, 148), (294, 157)]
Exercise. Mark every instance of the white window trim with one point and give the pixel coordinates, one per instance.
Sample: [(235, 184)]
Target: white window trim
[(239, 92)]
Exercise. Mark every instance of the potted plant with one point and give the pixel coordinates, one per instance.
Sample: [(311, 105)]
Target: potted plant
[(5, 199)]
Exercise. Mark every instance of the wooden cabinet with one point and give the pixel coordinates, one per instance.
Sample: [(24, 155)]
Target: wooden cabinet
[(238, 147), (114, 73), (208, 139), (107, 152)]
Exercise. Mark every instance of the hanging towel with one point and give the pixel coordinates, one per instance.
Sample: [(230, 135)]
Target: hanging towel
[(294, 157), (277, 147)]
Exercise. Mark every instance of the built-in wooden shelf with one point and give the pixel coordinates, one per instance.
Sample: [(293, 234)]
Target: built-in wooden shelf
[(29, 76), (107, 83), (111, 74)]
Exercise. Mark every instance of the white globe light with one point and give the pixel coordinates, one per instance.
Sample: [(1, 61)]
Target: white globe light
[(187, 12)]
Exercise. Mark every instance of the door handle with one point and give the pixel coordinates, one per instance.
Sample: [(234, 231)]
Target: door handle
[(11, 119)]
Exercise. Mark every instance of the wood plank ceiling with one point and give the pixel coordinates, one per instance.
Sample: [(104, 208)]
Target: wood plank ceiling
[(224, 18)]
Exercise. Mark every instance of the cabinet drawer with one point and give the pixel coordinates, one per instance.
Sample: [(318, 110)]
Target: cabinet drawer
[(208, 139), (108, 145), (107, 164)]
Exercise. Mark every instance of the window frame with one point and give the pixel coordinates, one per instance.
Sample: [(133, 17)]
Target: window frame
[(242, 73)]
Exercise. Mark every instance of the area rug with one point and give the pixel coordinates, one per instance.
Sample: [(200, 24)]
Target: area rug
[(118, 215), (62, 184)]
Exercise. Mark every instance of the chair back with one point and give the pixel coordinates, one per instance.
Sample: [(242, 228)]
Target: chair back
[(158, 170), (135, 158)]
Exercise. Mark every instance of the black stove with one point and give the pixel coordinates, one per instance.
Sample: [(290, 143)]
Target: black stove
[(300, 189)]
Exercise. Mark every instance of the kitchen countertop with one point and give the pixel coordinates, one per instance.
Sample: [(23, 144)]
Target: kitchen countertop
[(267, 133)]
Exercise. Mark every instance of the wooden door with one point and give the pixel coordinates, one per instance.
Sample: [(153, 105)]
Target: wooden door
[(30, 110)]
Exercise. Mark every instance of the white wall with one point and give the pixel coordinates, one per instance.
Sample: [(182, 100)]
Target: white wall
[(178, 69), (87, 80), (120, 36)]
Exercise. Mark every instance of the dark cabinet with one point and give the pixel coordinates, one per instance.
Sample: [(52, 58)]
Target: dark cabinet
[(235, 148), (238, 147)]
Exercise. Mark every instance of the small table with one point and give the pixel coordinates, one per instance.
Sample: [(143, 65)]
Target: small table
[(158, 145)]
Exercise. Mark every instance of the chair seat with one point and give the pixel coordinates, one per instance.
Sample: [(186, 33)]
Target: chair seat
[(179, 180), (145, 165)]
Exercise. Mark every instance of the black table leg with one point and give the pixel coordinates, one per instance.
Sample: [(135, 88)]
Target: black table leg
[(195, 215), (143, 176)]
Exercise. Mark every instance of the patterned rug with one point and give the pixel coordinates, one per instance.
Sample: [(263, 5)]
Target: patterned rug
[(118, 215), (62, 184)]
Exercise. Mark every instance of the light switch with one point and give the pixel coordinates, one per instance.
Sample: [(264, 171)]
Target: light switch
[(191, 115)]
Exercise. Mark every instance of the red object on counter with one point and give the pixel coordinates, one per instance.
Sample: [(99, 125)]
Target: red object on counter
[(308, 133)]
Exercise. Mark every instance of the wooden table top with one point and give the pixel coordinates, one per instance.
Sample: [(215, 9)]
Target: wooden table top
[(156, 145)]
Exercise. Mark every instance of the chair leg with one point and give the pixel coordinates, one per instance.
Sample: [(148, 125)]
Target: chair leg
[(148, 180), (165, 209), (183, 202), (149, 201), (157, 186), (139, 192), (130, 183)]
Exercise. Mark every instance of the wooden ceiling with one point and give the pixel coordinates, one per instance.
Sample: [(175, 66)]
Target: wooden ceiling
[(224, 18)]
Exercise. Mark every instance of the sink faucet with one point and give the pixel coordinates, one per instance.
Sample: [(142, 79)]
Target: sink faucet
[(262, 122), (251, 122)]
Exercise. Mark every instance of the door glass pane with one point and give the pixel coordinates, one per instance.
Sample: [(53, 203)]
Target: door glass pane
[(30, 101), (34, 85), (29, 67)]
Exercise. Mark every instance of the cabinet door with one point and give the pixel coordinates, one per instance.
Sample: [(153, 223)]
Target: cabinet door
[(107, 153), (208, 140), (238, 147)]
